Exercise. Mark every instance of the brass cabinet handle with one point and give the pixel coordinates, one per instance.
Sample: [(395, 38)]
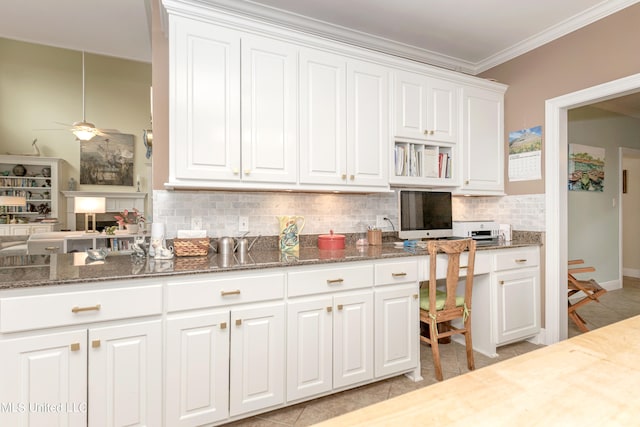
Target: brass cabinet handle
[(352, 177), (501, 282), (235, 171), (77, 309), (521, 260), (344, 176), (51, 248), (247, 171), (238, 322), (339, 306), (75, 346), (398, 274), (95, 343), (329, 309), (332, 281), (415, 296), (227, 293), (463, 266), (223, 325)]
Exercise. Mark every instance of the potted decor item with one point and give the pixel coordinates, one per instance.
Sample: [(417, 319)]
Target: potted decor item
[(131, 220)]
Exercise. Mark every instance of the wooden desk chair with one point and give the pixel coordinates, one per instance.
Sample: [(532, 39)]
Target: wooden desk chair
[(439, 307), (590, 288)]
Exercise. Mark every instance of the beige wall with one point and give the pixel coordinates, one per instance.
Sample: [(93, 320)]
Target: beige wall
[(41, 85), (160, 82), (603, 51)]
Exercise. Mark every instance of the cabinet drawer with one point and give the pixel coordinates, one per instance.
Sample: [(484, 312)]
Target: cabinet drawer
[(22, 313), (212, 292), (517, 258), (396, 272), (329, 279), (45, 247)]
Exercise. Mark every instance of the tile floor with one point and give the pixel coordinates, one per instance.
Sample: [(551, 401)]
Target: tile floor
[(614, 306)]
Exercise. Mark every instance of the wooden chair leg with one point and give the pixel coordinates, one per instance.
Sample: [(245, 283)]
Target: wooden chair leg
[(469, 345), (435, 351), (578, 321)]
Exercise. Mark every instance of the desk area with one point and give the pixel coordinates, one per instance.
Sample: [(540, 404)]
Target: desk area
[(588, 380)]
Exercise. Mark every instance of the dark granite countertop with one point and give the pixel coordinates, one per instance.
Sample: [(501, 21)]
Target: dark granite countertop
[(19, 271)]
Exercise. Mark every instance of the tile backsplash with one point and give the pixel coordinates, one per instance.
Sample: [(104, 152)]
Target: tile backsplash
[(218, 211)]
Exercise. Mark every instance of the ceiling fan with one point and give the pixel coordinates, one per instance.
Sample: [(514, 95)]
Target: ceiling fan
[(84, 130)]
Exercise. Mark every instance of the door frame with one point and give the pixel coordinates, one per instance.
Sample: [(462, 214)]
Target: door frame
[(556, 170)]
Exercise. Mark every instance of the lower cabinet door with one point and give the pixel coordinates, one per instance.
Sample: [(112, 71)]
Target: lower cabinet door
[(43, 380), (396, 326), (197, 369), (257, 358), (518, 306), (352, 339), (125, 375), (309, 347)]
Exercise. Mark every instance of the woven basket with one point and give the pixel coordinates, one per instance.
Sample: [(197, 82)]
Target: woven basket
[(191, 247)]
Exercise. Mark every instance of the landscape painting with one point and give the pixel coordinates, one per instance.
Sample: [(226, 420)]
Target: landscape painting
[(107, 160), (586, 168)]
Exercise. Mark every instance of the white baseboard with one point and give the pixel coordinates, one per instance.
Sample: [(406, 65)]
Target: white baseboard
[(631, 272)]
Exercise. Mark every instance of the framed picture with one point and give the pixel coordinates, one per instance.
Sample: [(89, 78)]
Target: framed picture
[(586, 168), (107, 160)]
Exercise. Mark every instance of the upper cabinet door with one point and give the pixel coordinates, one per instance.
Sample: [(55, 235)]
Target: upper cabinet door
[(204, 101), (426, 108), (269, 110), (483, 141), (323, 129), (368, 137)]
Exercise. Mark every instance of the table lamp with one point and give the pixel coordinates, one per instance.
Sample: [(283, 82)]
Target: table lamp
[(13, 201), (89, 206)]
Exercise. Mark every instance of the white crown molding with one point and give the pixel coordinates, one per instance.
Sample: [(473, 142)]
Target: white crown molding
[(304, 24), (574, 23)]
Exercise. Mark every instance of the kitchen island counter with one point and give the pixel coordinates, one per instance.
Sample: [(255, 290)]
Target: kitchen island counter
[(19, 271)]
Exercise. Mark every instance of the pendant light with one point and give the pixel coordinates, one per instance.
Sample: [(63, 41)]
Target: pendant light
[(84, 130)]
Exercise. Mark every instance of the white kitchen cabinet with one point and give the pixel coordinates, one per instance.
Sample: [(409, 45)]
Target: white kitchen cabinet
[(426, 131), (426, 108), (108, 376), (329, 343), (323, 124), (269, 110), (204, 107), (329, 328), (197, 379), (44, 368), (228, 358), (234, 106), (344, 121), (109, 372), (368, 134), (396, 317), (396, 326), (517, 295), (224, 363), (482, 142), (257, 358)]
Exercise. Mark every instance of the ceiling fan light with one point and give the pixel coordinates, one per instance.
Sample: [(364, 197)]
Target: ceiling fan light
[(84, 131)]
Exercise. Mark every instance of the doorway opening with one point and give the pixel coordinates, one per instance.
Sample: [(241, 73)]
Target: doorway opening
[(556, 195)]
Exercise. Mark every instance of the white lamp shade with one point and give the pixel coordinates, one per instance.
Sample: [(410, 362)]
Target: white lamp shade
[(13, 201), (90, 204)]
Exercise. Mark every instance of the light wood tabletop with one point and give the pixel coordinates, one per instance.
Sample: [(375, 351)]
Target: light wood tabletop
[(590, 380)]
